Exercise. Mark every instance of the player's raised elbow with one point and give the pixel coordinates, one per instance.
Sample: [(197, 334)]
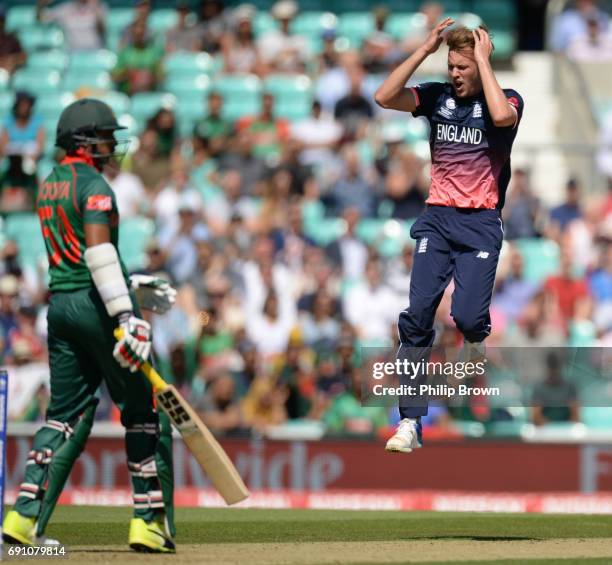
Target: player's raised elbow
[(382, 100), (504, 119)]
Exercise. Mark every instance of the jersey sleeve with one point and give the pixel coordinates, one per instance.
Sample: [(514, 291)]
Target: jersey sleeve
[(516, 101), (97, 202), (426, 95)]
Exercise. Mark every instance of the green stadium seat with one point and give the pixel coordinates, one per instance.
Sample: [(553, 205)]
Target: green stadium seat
[(36, 81), (344, 6), (454, 5), (101, 60), (496, 13), (51, 104), (325, 230), (133, 129), (369, 229), (146, 104), (312, 24), (74, 80), (241, 95), (401, 26), (7, 99), (24, 229), (19, 17), (44, 168), (134, 234), (5, 80), (263, 22), (403, 6), (188, 86), (188, 112), (53, 59), (356, 26), (185, 63), (118, 19), (540, 256), (37, 37), (160, 21), (119, 102), (505, 44), (292, 95)]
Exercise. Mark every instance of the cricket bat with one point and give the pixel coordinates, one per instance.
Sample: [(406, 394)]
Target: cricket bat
[(197, 437)]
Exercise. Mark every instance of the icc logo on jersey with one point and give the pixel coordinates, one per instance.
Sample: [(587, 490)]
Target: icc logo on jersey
[(450, 103)]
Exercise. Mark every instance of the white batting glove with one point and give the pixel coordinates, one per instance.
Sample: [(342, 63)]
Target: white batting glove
[(152, 293), (134, 347)]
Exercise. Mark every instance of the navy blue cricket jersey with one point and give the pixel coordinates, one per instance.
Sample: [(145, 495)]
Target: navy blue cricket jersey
[(470, 155)]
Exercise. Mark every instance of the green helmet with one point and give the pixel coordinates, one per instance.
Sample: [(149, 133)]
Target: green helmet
[(80, 123)]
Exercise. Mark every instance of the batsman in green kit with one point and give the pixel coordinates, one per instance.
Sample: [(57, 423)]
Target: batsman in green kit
[(92, 295)]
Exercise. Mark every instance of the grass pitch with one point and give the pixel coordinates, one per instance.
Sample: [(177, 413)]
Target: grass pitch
[(300, 537)]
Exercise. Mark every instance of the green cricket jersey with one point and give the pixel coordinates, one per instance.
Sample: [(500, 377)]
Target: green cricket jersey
[(74, 194)]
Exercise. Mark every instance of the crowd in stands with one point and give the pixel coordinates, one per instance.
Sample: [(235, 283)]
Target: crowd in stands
[(272, 312)]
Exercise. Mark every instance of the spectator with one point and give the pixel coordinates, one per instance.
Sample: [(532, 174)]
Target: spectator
[(83, 22), (139, 64), (405, 191), (220, 408), (522, 210), (398, 275), (555, 400), (567, 289), (264, 404), (128, 188), (214, 128), (164, 123), (242, 158), (269, 133), (573, 23), (296, 380), (320, 328), (12, 55), (371, 306), (183, 36), (379, 47), (142, 11), (593, 47), (318, 135), (9, 289), (354, 107), (280, 50), (149, 164), (600, 285), (18, 187), (23, 133), (270, 329), (212, 22), (513, 292), (176, 194), (347, 415), (348, 252), (570, 210), (179, 242), (329, 58), (240, 53), (352, 189)]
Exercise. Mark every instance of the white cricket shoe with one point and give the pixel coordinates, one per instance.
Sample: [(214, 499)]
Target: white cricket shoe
[(407, 437)]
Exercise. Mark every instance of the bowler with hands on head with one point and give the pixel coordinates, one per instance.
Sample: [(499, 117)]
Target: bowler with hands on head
[(473, 124)]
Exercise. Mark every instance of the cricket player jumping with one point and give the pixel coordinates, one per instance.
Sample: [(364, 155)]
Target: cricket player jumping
[(89, 299), (473, 125)]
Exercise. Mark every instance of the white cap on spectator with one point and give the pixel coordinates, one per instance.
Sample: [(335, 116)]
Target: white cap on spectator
[(285, 10), (244, 12)]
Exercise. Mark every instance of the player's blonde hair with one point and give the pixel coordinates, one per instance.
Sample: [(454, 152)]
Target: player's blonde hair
[(461, 38)]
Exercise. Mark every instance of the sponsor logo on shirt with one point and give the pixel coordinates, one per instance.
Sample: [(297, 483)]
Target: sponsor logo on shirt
[(458, 134), (99, 202), (482, 255), (477, 110)]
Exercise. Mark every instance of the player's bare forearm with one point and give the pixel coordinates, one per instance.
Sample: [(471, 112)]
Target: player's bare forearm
[(502, 113), (393, 93)]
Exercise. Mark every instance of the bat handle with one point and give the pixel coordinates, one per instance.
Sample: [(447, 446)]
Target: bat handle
[(147, 369)]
